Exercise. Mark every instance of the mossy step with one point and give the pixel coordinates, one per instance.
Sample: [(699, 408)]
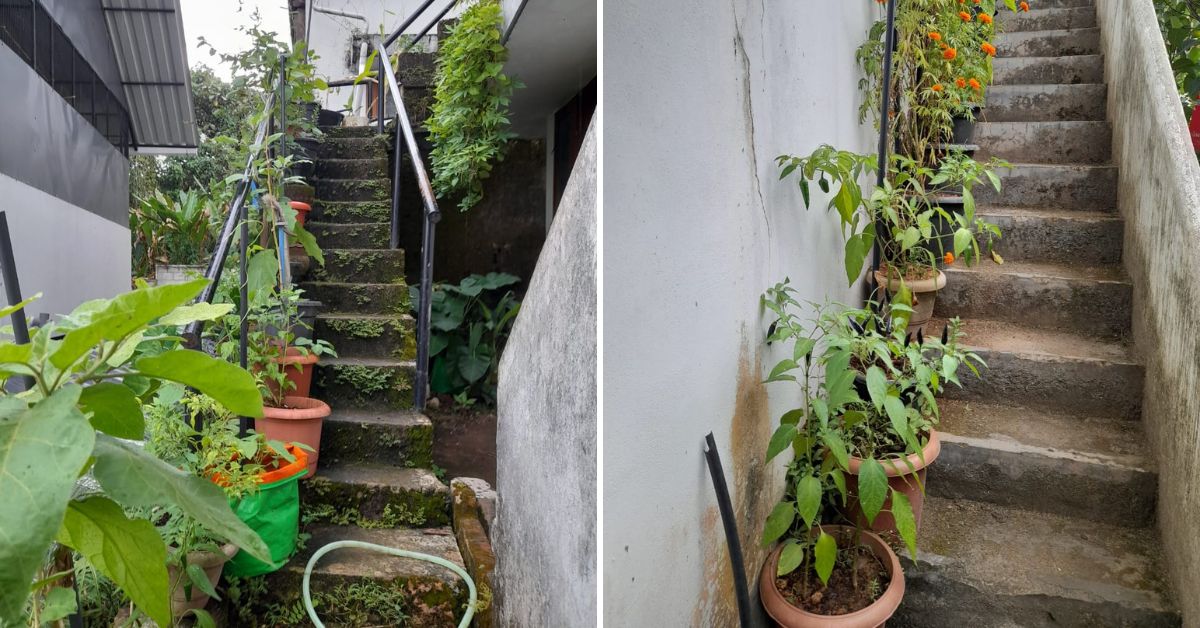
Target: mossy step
[(354, 189), (396, 438), (369, 265), (365, 383), (371, 147), (351, 212), (369, 335), (357, 587), (332, 168), (350, 131), (375, 495), (368, 298), (351, 235)]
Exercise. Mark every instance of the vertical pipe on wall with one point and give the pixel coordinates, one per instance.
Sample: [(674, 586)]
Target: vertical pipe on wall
[(884, 102), (729, 522)]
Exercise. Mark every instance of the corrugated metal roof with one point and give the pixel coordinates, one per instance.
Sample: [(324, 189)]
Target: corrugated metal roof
[(148, 41)]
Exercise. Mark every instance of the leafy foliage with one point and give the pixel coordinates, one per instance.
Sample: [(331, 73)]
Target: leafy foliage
[(468, 125), (1179, 21), (177, 229)]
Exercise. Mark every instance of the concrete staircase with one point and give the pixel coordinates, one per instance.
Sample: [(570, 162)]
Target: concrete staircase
[(374, 482), (1041, 508)]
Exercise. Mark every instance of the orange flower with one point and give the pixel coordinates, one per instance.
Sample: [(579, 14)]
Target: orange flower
[(960, 82), (976, 1), (937, 87), (984, 18), (975, 84), (949, 54), (1024, 6), (966, 17), (948, 258), (989, 49), (935, 36)]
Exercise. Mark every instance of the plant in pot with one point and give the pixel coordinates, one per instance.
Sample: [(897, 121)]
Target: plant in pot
[(173, 235)]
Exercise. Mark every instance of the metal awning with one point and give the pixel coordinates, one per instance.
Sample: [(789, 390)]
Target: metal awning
[(147, 38)]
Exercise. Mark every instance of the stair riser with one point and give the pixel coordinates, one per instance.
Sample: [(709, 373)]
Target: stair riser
[(359, 266), (366, 387), (398, 445), (1045, 103), (362, 298), (373, 147), (385, 505), (1063, 187), (1050, 70), (334, 132), (352, 212), (352, 168), (1091, 387), (1045, 142), (1099, 308), (1047, 20), (369, 338), (1049, 43), (354, 189), (351, 236), (1036, 482), (1064, 4), (1061, 241), (430, 601)]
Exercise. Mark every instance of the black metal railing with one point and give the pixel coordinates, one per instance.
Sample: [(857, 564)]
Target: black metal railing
[(885, 90)]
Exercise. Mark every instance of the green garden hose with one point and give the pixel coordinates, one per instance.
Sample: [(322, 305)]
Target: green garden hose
[(437, 560)]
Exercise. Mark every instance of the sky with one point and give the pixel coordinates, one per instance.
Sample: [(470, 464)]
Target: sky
[(217, 21)]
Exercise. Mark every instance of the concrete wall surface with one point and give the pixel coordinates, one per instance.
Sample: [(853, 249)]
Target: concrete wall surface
[(697, 225), (545, 530), (1159, 197)]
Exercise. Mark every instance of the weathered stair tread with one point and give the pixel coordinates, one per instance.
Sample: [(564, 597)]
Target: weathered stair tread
[(1027, 568), (1060, 43), (375, 494), (1048, 70), (1048, 213), (1087, 187), (1045, 103), (1105, 273), (396, 437), (1046, 142), (1007, 337), (384, 475), (395, 418), (371, 362), (1057, 235), (1041, 19)]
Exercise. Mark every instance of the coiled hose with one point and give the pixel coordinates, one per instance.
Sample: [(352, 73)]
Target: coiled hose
[(437, 560)]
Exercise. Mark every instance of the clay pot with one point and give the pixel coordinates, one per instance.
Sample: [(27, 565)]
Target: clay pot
[(874, 615), (299, 263), (211, 563), (901, 477), (299, 370), (924, 293), (299, 422), (302, 210)]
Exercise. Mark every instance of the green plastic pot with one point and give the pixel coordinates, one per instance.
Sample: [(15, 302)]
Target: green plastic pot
[(274, 513)]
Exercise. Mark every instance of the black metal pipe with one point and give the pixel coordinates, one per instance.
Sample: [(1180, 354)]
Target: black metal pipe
[(12, 290), (398, 153), (243, 301), (513, 23), (408, 22), (282, 98), (379, 96), (428, 237), (429, 26), (884, 107), (731, 533)]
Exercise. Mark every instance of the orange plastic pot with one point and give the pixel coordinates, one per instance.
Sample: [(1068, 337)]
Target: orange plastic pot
[(302, 210), (299, 422), (906, 475), (874, 615)]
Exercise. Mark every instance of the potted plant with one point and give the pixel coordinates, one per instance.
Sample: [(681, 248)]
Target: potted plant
[(174, 234)]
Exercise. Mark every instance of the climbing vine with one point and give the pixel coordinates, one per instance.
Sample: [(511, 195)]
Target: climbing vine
[(1180, 24), (469, 122)]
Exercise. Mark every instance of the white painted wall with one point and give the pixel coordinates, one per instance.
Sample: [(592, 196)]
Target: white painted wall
[(697, 225), (69, 254)]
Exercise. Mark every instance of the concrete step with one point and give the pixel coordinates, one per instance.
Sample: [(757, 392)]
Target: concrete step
[(359, 235), (1096, 300), (1057, 186), (1057, 236), (403, 439), (376, 266), (365, 383), (1088, 142), (1061, 4), (1046, 19), (1048, 70), (1057, 43), (355, 587), (353, 189), (349, 131), (351, 212), (1048, 370), (369, 147), (989, 566), (1046, 461), (332, 168), (375, 495), (368, 335), (365, 298), (1045, 103)]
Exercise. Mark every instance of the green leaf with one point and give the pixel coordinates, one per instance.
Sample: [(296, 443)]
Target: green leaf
[(127, 349), (780, 440), (808, 498), (60, 603), (906, 523), (837, 447), (877, 386), (200, 581), (909, 238), (790, 558), (856, 256), (42, 450), (825, 554), (229, 384), (803, 347), (962, 240), (203, 619), (778, 522), (783, 367), (136, 479), (185, 314), (898, 414), (13, 308), (115, 410), (872, 488), (309, 242), (127, 551)]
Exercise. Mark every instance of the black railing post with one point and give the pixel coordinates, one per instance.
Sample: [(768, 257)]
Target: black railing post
[(425, 306), (884, 108), (379, 101), (282, 98), (243, 300), (398, 151), (12, 290)]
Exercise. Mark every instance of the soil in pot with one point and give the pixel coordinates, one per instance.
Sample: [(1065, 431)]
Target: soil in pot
[(298, 421), (211, 563), (857, 582)]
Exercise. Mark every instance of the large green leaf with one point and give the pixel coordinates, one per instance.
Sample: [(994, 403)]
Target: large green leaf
[(857, 248), (906, 523), (872, 488), (42, 449), (122, 316), (790, 558), (825, 554), (229, 384), (778, 522), (808, 498), (877, 386), (185, 314), (780, 440), (115, 410), (136, 479), (127, 551), (898, 414)]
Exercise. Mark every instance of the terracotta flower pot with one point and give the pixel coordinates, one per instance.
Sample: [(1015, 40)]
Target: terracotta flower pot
[(302, 210), (924, 293), (901, 477), (211, 563), (299, 422), (874, 615), (299, 371)]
